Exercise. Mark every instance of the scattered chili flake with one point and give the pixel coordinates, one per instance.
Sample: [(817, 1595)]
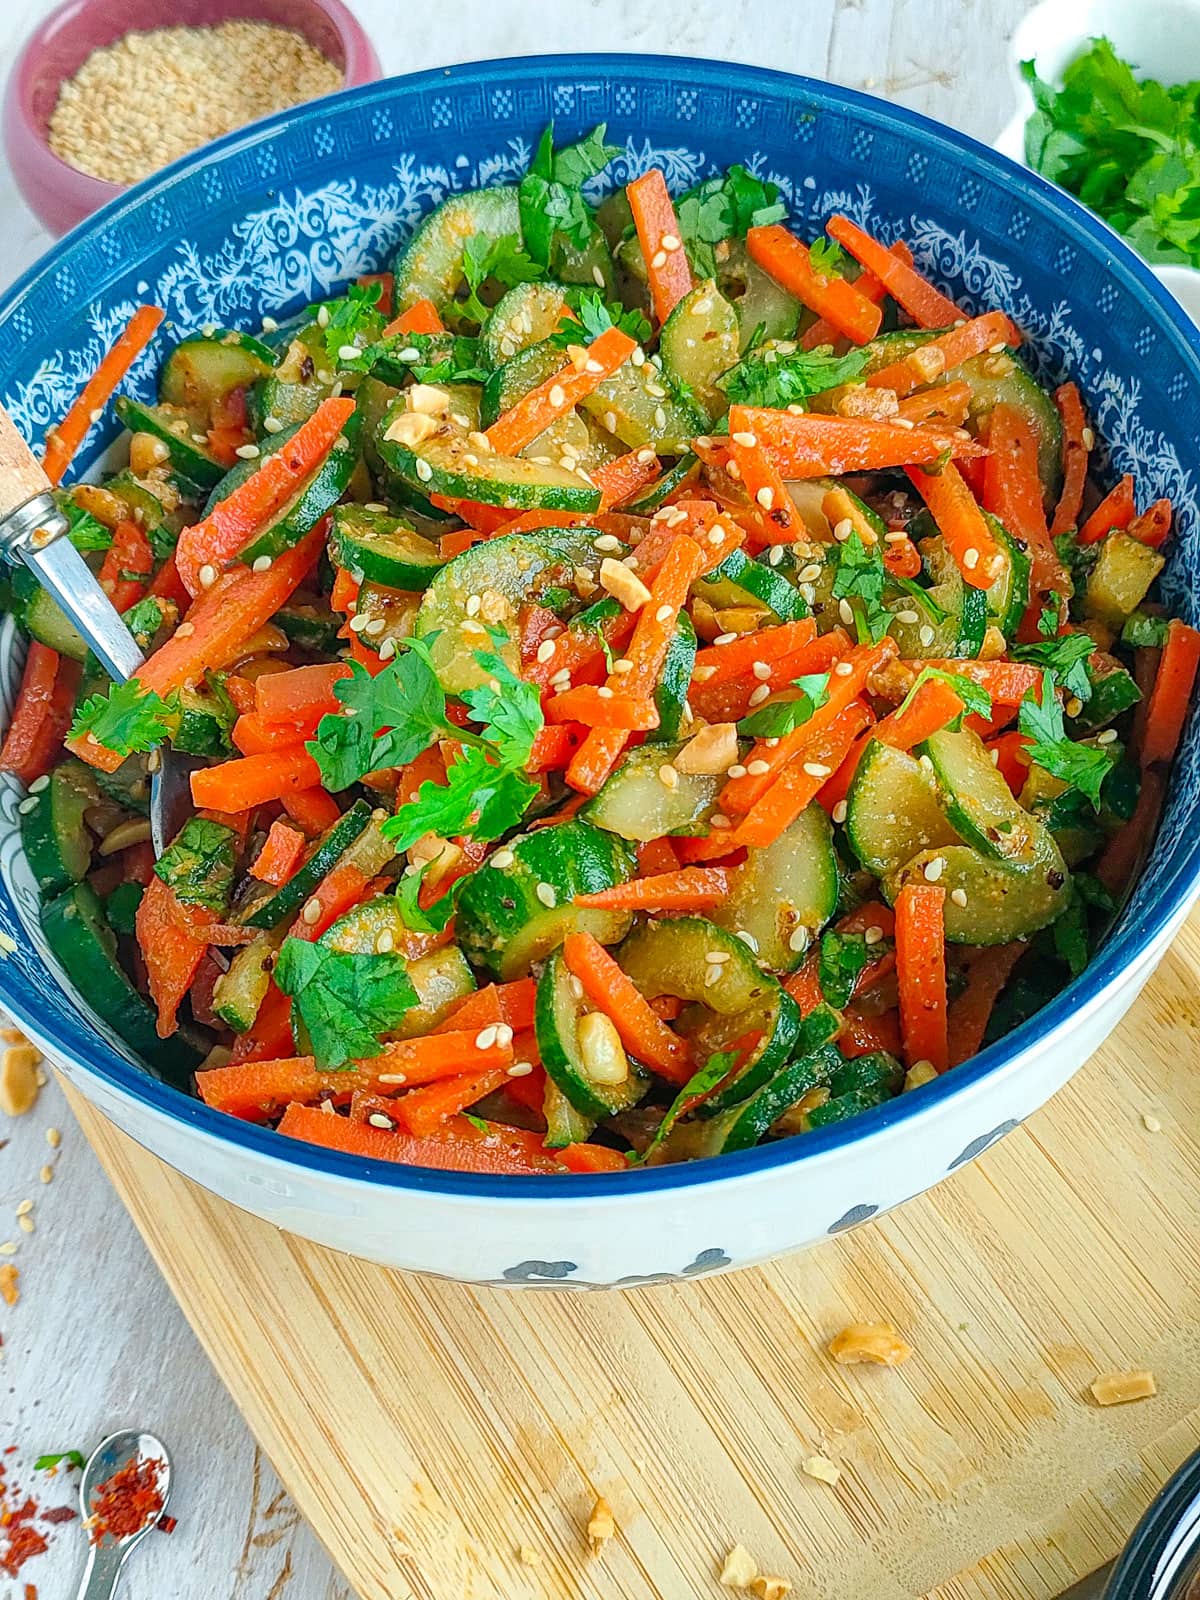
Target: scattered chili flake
[(167, 1524), (21, 1540), (59, 1514), (10, 1278), (127, 1501), (31, 1591)]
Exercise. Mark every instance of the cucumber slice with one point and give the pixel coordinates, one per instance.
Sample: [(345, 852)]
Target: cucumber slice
[(190, 459), (523, 372), (141, 506), (86, 948), (504, 573), (671, 957), (699, 341), (670, 695), (388, 614), (892, 810), (378, 546), (656, 494), (574, 265), (58, 846), (978, 803), (1003, 901), (240, 991), (636, 804), (302, 378), (440, 978), (951, 620), (448, 463), (310, 624), (740, 580), (1075, 838), (746, 1124), (429, 267), (783, 888), (504, 924), (1125, 568), (206, 719), (526, 315), (45, 620), (1008, 596), (637, 406), (1114, 692), (268, 445), (320, 491), (557, 1014), (201, 371), (269, 910), (564, 1125)]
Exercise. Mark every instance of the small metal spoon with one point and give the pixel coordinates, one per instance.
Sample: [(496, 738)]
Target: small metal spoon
[(107, 1557), (31, 530)]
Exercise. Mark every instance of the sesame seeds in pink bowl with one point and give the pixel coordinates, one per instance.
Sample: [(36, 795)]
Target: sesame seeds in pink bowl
[(59, 193)]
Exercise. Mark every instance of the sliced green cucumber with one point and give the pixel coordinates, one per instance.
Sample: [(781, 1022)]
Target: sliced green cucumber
[(1114, 692), (671, 691), (526, 315), (1125, 568), (784, 893), (448, 462), (591, 264), (302, 378), (240, 990), (190, 459), (200, 862), (202, 370), (892, 810), (519, 906), (636, 804), (978, 803), (676, 477), (747, 1123), (388, 615), (86, 948), (383, 548), (45, 620), (997, 902), (699, 341), (58, 846), (564, 1125), (963, 609), (121, 907), (205, 720), (440, 978), (503, 574), (1008, 596), (319, 493), (518, 375), (740, 580), (268, 910), (309, 623), (269, 445), (636, 405), (1077, 835), (430, 266), (143, 507), (558, 1012)]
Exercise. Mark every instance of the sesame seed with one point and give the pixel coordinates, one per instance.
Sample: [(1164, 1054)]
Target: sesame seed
[(259, 564), (971, 558), (1087, 438), (909, 617), (809, 574), (716, 535), (933, 869), (843, 669), (658, 259), (747, 439), (502, 859), (8, 1248), (711, 975), (323, 317), (765, 497), (737, 770), (717, 958), (348, 352), (409, 353), (207, 575), (39, 784), (774, 555), (903, 422), (593, 366), (424, 470), (558, 396), (733, 470), (746, 938), (607, 542), (485, 1038), (670, 242), (926, 636), (799, 939), (24, 1208), (598, 276), (896, 536), (1107, 737), (358, 623), (520, 1069), (843, 529), (385, 940), (756, 769), (638, 357), (546, 894), (725, 638), (387, 649), (375, 627), (604, 692), (27, 805), (760, 670), (644, 456), (664, 613), (622, 666), (379, 1119), (997, 349), (660, 418), (846, 611), (959, 896), (393, 1077), (474, 602), (311, 912), (873, 934), (545, 651), (25, 1224), (817, 769), (757, 696), (839, 812), (668, 776)]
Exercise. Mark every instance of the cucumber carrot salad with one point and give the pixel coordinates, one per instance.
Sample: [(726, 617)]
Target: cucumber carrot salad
[(659, 684)]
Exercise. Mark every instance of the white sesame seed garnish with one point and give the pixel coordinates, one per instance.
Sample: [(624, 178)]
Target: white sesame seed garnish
[(774, 555), (903, 422), (604, 692), (746, 938), (843, 529), (839, 812), (809, 574), (323, 317), (546, 894), (519, 1069), (545, 651), (607, 542), (934, 868), (668, 776), (909, 617), (749, 440), (638, 357), (971, 558), (817, 769), (1087, 438), (757, 769), (622, 666), (765, 497), (959, 896), (598, 276), (720, 820), (737, 770), (757, 696), (358, 622), (558, 396), (896, 536), (670, 242), (717, 958), (424, 470), (1107, 737), (259, 564), (27, 805), (843, 669), (269, 325), (379, 1119), (799, 939), (658, 259), (926, 636), (725, 638), (664, 613), (873, 934), (385, 940), (39, 784), (207, 576), (760, 670), (846, 611), (311, 912)]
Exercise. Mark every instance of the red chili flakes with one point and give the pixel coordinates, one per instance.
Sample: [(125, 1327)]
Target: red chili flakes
[(31, 1591), (127, 1501), (21, 1540), (59, 1514), (167, 1524)]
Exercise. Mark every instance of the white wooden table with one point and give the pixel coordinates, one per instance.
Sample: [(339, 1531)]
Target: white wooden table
[(96, 1341)]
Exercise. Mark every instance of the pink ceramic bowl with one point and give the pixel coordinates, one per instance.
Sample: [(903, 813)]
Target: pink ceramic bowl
[(60, 195)]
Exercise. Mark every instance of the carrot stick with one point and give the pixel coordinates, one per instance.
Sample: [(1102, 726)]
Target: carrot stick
[(720, 662), (921, 973), (864, 1032), (869, 286), (786, 259), (576, 648), (128, 566), (1170, 699), (424, 1111), (253, 780), (643, 1034), (511, 1003), (458, 1145), (961, 524), (813, 445), (591, 1158), (988, 970), (947, 402), (618, 480), (927, 306), (313, 809), (421, 317), (63, 440), (281, 854), (683, 889), (1012, 488), (761, 479), (600, 707), (560, 393), (667, 269), (215, 541), (170, 950), (931, 361), (1076, 446), (42, 713), (1008, 682), (1116, 510), (801, 778), (729, 699), (1154, 524)]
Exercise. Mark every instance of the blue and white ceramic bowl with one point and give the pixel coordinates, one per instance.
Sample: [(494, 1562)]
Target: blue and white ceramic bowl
[(286, 212)]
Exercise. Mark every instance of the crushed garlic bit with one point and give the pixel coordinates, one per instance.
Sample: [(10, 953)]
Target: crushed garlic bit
[(740, 1568), (10, 1278), (18, 1079), (821, 1468), (601, 1525), (1115, 1388), (869, 1341)]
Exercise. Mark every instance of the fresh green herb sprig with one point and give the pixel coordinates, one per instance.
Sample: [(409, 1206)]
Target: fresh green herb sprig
[(780, 717), (550, 196), (593, 315), (346, 1002), (778, 378), (126, 719), (841, 960), (859, 580), (724, 208), (1080, 766)]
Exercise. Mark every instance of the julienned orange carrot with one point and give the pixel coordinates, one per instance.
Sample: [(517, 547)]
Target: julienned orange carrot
[(813, 445), (921, 973), (960, 523), (647, 650), (866, 1031), (933, 706), (931, 361), (1116, 510), (945, 402), (421, 317), (1008, 682), (1167, 708), (281, 854), (729, 699), (63, 441), (617, 480), (719, 662), (575, 647), (761, 479), (253, 780), (42, 714), (684, 889), (206, 547), (170, 949), (667, 269), (313, 809), (299, 692), (869, 286), (1154, 524), (600, 707), (873, 918), (800, 780), (927, 306), (786, 259), (1076, 447), (1012, 486), (534, 412), (128, 566), (458, 1146), (643, 1034), (511, 1003), (484, 519), (425, 1110), (988, 970)]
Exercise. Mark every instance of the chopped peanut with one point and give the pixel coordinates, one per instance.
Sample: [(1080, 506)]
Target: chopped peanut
[(875, 404), (869, 1341), (920, 1073), (1115, 1388), (528, 1556), (624, 586), (428, 399), (714, 749), (601, 1525), (740, 1568), (770, 1588), (411, 428), (604, 1058), (10, 1277), (18, 1079), (821, 1468), (927, 362)]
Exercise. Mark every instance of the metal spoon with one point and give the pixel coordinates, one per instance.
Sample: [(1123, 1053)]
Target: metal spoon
[(107, 1557), (31, 530)]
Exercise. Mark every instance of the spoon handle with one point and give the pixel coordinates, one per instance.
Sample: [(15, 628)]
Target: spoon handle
[(62, 571), (103, 1571)]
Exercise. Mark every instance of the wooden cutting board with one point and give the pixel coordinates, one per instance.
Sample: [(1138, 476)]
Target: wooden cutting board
[(432, 1432)]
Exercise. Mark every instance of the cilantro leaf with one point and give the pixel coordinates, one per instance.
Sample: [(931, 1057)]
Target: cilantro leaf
[(1070, 933), (427, 357), (200, 863), (701, 1083), (346, 1002), (125, 719), (354, 319), (504, 261), (975, 698), (841, 960), (724, 208), (83, 530), (509, 709), (779, 717), (389, 719), (778, 378), (1066, 656), (859, 580), (827, 257), (73, 1458), (481, 798), (594, 316), (550, 200), (425, 919), (1080, 766), (1048, 616)]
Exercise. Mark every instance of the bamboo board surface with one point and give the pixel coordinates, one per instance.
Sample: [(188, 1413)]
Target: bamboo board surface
[(430, 1432)]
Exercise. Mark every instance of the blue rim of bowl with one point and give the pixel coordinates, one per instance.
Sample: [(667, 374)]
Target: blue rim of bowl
[(1113, 960), (1163, 1548)]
